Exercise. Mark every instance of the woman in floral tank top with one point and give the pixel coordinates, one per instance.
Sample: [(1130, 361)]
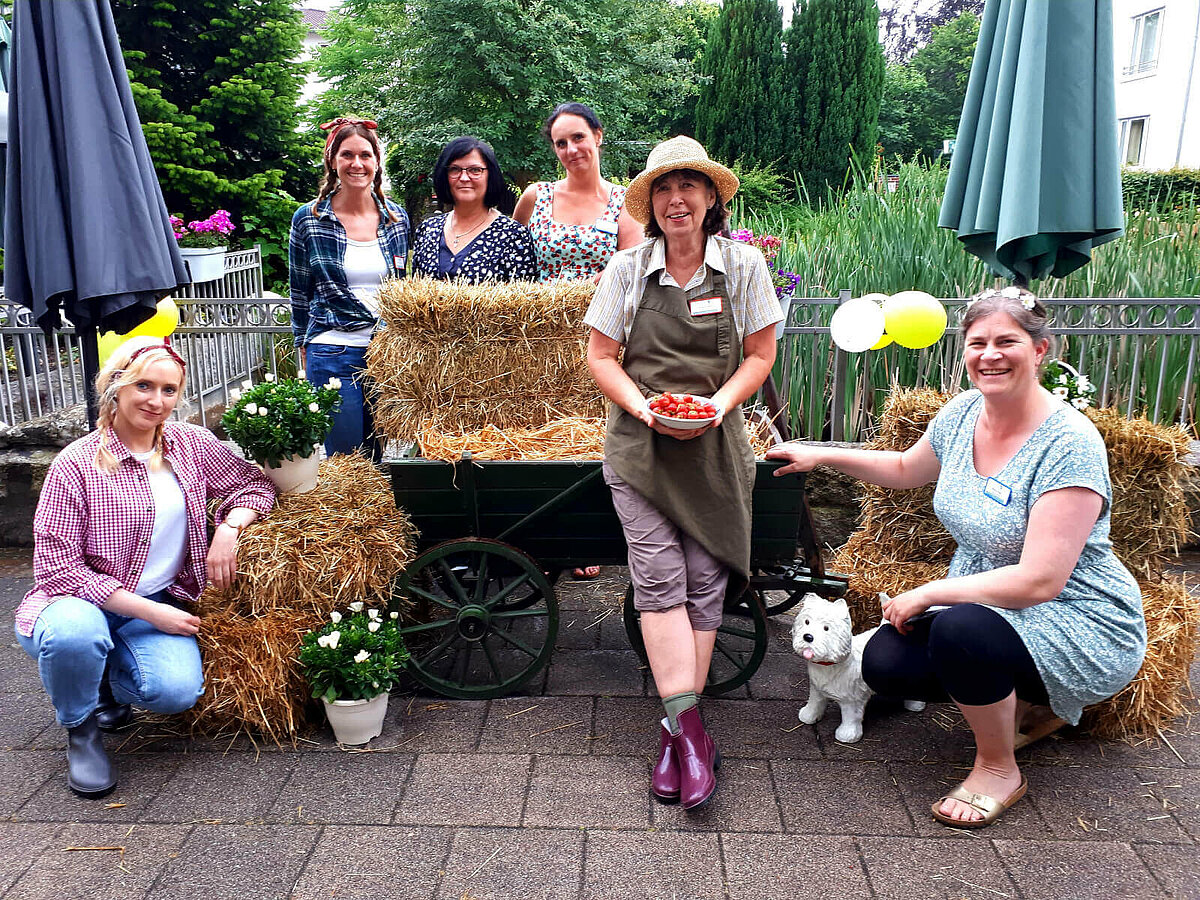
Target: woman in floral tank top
[(579, 222)]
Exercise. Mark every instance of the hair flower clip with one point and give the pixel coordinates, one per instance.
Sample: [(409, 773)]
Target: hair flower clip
[(1012, 292), (1029, 301)]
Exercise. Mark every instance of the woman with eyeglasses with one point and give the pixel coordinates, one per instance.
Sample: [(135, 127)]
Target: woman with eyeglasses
[(341, 247), (121, 549), (475, 240)]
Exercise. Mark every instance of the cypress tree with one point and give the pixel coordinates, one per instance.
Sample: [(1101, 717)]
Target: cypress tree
[(739, 113), (833, 74)]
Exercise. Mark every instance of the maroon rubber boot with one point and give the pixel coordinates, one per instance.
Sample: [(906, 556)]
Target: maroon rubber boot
[(664, 783), (697, 759)]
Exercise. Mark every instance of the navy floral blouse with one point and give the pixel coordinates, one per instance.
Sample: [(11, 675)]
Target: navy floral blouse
[(503, 251)]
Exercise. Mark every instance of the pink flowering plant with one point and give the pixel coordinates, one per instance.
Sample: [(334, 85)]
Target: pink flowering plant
[(769, 244), (211, 232)]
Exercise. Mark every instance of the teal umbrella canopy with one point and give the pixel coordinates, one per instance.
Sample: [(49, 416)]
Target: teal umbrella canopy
[(1035, 181)]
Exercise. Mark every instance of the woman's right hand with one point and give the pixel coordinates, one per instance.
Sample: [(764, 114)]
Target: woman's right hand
[(173, 620), (800, 458)]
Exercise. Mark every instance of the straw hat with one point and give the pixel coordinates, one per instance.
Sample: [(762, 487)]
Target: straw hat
[(676, 153)]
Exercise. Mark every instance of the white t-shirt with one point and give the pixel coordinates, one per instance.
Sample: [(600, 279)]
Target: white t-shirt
[(365, 268), (168, 539)]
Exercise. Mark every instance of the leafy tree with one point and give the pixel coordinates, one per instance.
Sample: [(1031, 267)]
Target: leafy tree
[(217, 90), (740, 113), (834, 76), (429, 70), (924, 97), (905, 28)]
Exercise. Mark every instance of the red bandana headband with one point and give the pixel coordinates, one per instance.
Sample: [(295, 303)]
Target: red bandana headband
[(165, 345), (333, 126)]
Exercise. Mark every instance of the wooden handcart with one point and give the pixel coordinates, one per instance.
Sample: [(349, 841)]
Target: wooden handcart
[(494, 535)]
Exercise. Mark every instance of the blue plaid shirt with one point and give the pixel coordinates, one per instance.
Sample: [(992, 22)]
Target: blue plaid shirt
[(321, 297)]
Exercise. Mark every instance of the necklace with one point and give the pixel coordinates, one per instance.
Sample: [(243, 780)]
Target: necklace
[(457, 236)]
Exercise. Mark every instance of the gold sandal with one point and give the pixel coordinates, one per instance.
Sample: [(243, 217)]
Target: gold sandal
[(988, 807)]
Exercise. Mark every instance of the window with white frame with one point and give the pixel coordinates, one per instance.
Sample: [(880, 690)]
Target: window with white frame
[(1143, 54), (1133, 140)]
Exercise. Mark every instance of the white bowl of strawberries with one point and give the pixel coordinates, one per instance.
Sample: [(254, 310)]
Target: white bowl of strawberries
[(683, 412)]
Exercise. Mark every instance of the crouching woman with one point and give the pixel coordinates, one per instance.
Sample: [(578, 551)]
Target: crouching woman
[(120, 547), (1036, 609)]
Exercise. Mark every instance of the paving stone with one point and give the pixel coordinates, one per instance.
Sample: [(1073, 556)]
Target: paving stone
[(371, 863), (18, 673), (1181, 792), (24, 716), (578, 629), (921, 784), (218, 787), (1173, 867), (606, 590), (608, 673), (101, 874), (770, 867), (140, 778), (627, 726), (764, 729), (665, 865), (1108, 804), (538, 725), (1075, 747), (434, 725), (780, 677), (745, 801), (464, 789), (925, 869), (613, 635), (589, 791), (825, 797), (890, 732), (22, 774), (500, 864), (249, 862), (1051, 870), (31, 838), (361, 787)]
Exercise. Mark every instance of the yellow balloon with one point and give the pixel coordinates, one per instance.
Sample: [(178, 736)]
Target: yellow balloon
[(882, 342), (161, 324), (914, 319), (880, 299), (106, 343)]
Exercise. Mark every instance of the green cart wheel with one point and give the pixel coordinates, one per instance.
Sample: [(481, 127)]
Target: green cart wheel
[(487, 618), (741, 641)]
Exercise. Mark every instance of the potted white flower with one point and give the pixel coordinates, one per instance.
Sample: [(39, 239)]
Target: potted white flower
[(352, 662), (280, 423), (1064, 382)]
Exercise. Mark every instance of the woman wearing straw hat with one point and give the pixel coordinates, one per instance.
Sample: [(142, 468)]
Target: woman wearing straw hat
[(120, 548), (341, 246), (693, 312), (1036, 611)]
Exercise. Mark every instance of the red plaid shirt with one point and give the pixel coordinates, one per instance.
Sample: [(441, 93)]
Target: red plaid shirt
[(92, 529)]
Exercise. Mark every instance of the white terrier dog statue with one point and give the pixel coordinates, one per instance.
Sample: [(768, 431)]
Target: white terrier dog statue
[(822, 636)]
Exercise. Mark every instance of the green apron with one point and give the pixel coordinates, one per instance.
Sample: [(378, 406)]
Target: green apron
[(703, 485)]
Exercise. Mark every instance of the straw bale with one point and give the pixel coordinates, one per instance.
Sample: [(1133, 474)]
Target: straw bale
[(1160, 693), (459, 357), (343, 541), (874, 567)]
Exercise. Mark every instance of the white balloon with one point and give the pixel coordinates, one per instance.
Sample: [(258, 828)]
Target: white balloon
[(857, 325)]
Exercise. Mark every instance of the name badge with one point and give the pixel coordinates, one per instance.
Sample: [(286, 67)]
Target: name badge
[(705, 306), (397, 264), (605, 226), (998, 491)]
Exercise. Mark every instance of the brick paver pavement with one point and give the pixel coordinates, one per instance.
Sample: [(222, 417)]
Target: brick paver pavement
[(545, 796)]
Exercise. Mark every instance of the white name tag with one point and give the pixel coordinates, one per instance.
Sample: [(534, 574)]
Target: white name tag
[(397, 264), (998, 491), (606, 226), (705, 306)]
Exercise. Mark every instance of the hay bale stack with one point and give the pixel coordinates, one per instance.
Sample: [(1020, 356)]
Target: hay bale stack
[(459, 357), (873, 569), (316, 552)]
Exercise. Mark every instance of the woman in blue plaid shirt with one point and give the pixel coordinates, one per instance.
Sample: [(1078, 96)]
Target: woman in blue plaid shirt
[(341, 246)]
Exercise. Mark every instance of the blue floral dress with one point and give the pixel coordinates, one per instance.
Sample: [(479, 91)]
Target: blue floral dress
[(1089, 641)]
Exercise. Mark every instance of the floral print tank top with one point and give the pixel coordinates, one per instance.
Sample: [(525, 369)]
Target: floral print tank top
[(573, 252)]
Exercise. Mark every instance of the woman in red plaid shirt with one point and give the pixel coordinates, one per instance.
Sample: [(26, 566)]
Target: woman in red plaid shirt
[(120, 546)]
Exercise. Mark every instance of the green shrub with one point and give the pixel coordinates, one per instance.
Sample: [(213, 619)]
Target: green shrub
[(760, 188), (1163, 191)]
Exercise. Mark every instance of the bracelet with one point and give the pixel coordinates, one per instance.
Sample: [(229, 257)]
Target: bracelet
[(237, 528)]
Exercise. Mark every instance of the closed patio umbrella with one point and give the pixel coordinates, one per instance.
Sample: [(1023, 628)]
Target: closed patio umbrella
[(1035, 181), (86, 230)]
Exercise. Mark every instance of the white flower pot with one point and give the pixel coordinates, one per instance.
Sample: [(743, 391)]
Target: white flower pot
[(356, 721), (785, 304), (204, 263), (297, 475)]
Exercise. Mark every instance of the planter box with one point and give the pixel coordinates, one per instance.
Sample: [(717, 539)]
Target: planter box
[(204, 263)]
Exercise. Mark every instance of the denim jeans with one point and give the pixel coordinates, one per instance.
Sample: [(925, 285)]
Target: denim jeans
[(72, 639), (353, 424)]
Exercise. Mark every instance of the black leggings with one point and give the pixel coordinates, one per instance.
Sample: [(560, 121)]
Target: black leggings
[(967, 653)]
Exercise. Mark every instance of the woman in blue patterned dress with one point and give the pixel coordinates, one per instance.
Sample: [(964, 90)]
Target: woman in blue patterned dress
[(1036, 610)]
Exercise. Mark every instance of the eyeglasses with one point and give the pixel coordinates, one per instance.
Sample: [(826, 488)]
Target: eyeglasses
[(472, 172)]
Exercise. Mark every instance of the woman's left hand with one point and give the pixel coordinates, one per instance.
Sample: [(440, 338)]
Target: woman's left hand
[(222, 557), (899, 609)]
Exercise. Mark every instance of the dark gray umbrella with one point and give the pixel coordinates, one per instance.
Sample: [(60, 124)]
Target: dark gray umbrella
[(86, 230)]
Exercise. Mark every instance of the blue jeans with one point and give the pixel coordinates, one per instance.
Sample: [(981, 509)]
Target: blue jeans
[(72, 639), (353, 424)]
